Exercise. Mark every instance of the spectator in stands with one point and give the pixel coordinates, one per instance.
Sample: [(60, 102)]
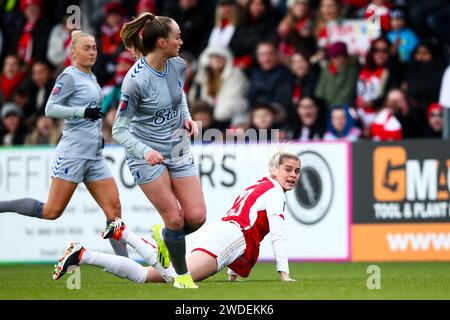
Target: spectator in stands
[(196, 22), (423, 75), (46, 132), (341, 125), (421, 13), (145, 6), (434, 121), (329, 10), (112, 90), (203, 114), (258, 23), (270, 81), (226, 21), (386, 126), (11, 77), (295, 30), (12, 130), (337, 81), (109, 42), (220, 84), (381, 14), (411, 117), (306, 76), (191, 69), (58, 49), (262, 120), (39, 89), (380, 73), (402, 38), (31, 33), (20, 96), (310, 121)]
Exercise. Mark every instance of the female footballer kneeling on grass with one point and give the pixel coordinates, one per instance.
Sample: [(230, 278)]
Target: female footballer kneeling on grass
[(233, 241), (76, 97)]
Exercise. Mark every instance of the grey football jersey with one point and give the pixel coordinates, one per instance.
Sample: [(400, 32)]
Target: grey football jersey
[(154, 106), (81, 137)]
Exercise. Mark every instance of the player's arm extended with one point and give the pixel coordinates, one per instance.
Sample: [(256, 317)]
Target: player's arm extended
[(279, 245), (59, 111), (121, 133), (56, 105)]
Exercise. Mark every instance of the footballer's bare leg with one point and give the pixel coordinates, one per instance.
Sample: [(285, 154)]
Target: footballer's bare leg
[(200, 264)]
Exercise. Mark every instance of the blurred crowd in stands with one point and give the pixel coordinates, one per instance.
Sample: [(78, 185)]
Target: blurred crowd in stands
[(261, 64)]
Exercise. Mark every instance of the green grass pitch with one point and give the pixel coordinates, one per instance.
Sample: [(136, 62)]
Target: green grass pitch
[(315, 281)]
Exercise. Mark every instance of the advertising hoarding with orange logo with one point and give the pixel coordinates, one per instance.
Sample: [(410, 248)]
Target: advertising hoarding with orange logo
[(400, 201)]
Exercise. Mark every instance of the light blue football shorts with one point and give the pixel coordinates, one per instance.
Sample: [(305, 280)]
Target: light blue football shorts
[(144, 173), (80, 170)]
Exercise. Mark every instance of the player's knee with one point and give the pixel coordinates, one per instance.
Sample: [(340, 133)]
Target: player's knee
[(175, 223), (52, 213), (196, 217)]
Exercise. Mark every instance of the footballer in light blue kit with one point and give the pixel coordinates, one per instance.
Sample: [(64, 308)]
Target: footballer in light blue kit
[(79, 153), (76, 97), (153, 124), (153, 105)]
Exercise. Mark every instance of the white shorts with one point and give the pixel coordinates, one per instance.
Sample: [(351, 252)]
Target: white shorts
[(222, 240)]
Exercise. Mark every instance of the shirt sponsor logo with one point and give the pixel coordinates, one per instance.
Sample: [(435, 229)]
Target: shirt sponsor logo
[(166, 115)]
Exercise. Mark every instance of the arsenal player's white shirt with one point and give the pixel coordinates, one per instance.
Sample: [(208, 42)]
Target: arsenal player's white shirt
[(258, 210)]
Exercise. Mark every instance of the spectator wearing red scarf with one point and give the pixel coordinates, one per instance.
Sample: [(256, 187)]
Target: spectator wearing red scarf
[(11, 76), (295, 30), (32, 32), (109, 41), (226, 21)]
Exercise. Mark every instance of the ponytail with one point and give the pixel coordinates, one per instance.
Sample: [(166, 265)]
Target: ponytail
[(152, 27), (130, 33)]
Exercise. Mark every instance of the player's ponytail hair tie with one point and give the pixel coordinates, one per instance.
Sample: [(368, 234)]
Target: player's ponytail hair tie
[(280, 156), (152, 27)]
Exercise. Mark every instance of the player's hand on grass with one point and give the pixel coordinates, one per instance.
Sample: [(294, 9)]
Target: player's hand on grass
[(154, 157), (233, 278), (285, 277), (191, 126)]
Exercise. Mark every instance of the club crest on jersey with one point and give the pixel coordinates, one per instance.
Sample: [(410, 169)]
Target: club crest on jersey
[(123, 105), (57, 88)]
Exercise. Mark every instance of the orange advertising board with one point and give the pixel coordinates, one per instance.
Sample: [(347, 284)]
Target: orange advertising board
[(401, 242)]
